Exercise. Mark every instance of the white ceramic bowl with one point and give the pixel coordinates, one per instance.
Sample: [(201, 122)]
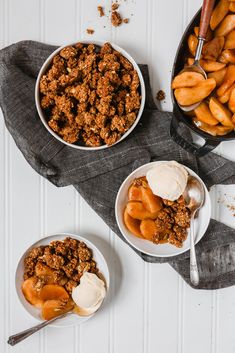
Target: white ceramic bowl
[(72, 319), (145, 246), (44, 68)]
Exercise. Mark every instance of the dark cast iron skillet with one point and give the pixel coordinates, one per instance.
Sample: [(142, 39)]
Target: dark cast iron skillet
[(179, 117)]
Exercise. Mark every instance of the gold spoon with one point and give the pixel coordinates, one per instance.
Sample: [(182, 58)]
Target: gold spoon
[(194, 196), (207, 9)]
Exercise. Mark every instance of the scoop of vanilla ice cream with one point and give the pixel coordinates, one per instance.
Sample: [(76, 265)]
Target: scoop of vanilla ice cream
[(89, 294), (168, 180)]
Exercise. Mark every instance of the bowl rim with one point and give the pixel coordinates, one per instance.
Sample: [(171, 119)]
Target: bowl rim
[(50, 238), (117, 205), (98, 43)]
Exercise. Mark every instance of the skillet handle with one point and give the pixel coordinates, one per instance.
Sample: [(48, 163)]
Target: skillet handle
[(189, 146)]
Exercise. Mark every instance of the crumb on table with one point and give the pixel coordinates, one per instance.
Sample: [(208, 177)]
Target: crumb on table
[(126, 20), (100, 10), (90, 31), (116, 19), (160, 95), (115, 6)]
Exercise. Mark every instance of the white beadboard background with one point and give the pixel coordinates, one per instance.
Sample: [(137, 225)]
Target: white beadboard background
[(150, 308)]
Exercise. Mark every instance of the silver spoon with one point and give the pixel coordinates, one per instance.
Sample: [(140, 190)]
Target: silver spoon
[(194, 196), (14, 339), (206, 13)]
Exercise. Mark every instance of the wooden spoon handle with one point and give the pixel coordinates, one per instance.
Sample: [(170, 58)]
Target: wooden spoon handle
[(206, 13)]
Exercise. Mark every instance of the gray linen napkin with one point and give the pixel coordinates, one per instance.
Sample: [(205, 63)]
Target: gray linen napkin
[(97, 175)]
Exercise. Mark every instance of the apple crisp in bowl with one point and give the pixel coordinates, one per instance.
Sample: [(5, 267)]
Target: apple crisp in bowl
[(90, 95), (61, 274), (151, 212)]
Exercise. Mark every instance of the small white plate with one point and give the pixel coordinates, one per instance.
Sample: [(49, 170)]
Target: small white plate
[(159, 250), (72, 319)]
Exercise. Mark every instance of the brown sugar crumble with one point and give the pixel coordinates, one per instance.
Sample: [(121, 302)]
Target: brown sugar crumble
[(115, 6), (116, 19), (125, 20), (90, 95), (100, 10), (160, 95), (90, 31)]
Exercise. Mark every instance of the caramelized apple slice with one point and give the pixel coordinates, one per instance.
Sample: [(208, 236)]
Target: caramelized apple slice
[(151, 202), (230, 40), (208, 65), (53, 308), (148, 229), (218, 75), (231, 103), (187, 79), (219, 12), (192, 95), (212, 49), (220, 112), (226, 26), (192, 44), (32, 292), (228, 81), (203, 114), (137, 210), (53, 291), (133, 225), (217, 130), (134, 193)]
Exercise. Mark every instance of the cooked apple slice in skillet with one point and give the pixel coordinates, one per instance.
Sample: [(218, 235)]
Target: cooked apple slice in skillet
[(231, 102), (203, 114), (226, 26), (220, 112), (32, 292), (187, 79), (219, 12), (212, 49), (217, 130), (225, 97), (218, 75), (208, 65), (192, 44), (133, 225), (230, 40), (227, 56), (232, 6), (228, 81), (189, 96), (137, 211), (53, 291)]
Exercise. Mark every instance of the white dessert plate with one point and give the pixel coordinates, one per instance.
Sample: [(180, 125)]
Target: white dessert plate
[(145, 246), (72, 319)]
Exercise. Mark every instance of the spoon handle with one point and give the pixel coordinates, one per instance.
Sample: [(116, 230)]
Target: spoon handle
[(194, 275), (207, 9), (18, 337)]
